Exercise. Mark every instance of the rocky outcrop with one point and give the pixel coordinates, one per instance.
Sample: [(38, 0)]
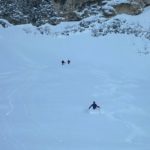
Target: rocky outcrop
[(39, 12), (97, 26), (36, 12), (146, 2), (131, 7), (71, 5), (4, 23)]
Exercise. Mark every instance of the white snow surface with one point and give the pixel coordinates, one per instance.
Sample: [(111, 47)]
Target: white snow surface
[(44, 105)]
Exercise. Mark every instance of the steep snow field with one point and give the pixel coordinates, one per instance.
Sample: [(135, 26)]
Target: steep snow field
[(44, 105)]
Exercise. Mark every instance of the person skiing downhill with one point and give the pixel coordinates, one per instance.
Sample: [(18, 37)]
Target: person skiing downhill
[(94, 106)]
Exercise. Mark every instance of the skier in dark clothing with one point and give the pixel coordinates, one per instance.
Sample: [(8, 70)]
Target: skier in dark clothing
[(68, 61), (62, 62), (94, 106)]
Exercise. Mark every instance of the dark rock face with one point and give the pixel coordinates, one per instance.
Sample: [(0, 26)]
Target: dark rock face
[(39, 12), (131, 7), (128, 9), (36, 12), (71, 5), (147, 2)]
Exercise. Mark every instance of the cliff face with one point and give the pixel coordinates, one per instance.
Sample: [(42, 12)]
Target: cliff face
[(39, 12), (131, 7), (71, 5), (147, 2), (36, 12)]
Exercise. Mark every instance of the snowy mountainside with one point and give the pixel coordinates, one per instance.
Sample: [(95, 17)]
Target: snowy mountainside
[(125, 24), (44, 105), (138, 25)]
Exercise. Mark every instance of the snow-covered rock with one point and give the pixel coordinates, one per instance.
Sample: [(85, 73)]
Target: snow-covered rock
[(111, 8), (53, 12), (4, 23)]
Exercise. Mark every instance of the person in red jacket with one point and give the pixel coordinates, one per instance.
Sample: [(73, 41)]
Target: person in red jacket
[(94, 106)]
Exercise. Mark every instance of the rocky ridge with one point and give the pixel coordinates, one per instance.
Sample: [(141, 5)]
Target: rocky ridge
[(99, 26), (93, 20), (39, 12)]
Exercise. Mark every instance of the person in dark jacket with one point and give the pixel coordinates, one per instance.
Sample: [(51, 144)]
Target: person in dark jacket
[(94, 106), (68, 61), (62, 62)]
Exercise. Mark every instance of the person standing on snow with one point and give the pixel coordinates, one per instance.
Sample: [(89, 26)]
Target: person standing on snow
[(63, 62), (68, 61), (94, 106)]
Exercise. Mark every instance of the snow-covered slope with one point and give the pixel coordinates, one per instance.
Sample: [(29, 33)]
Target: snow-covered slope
[(44, 105)]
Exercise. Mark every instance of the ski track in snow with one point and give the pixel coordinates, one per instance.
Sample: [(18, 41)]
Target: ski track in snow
[(46, 104), (23, 77), (135, 130), (110, 88)]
